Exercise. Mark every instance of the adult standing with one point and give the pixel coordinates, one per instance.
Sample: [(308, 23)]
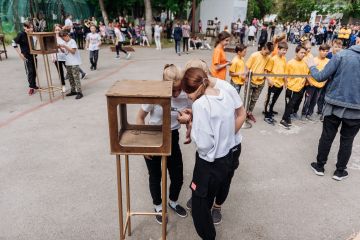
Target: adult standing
[(24, 53), (186, 35), (157, 35), (69, 26), (342, 107), (178, 34), (251, 35)]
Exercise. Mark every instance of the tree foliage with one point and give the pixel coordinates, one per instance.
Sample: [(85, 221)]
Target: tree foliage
[(259, 8)]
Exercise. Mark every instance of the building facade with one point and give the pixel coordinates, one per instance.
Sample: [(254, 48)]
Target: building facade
[(227, 11)]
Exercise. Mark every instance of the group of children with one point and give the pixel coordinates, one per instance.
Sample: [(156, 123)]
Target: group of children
[(68, 56), (270, 61)]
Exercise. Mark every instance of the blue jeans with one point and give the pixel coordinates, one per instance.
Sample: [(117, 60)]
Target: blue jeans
[(177, 46)]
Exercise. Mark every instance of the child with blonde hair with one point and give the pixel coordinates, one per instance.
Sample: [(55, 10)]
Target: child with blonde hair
[(179, 102)]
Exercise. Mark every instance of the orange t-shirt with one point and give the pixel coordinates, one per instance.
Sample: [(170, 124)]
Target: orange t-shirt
[(218, 57)]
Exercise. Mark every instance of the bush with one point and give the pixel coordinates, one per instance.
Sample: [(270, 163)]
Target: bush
[(9, 37)]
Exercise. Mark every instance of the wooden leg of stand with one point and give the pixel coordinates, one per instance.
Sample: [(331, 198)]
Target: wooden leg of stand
[(47, 79), (37, 77), (164, 195), (50, 78), (118, 171), (128, 194)]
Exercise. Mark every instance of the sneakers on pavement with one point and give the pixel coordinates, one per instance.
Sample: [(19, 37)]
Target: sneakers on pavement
[(79, 95), (158, 218), (340, 175), (128, 56), (216, 215), (318, 170), (180, 211), (269, 121), (284, 124), (71, 94)]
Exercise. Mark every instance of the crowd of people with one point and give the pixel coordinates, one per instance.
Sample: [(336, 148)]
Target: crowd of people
[(212, 109)]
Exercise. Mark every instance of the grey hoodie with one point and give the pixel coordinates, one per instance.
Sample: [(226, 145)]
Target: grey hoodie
[(343, 73)]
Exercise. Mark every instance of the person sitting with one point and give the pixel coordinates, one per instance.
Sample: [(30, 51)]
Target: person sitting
[(195, 42)]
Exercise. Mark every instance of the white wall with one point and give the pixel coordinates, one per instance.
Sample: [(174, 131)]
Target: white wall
[(227, 11)]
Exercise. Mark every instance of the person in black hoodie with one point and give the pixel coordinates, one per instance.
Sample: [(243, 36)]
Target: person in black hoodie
[(24, 53), (263, 37), (177, 37)]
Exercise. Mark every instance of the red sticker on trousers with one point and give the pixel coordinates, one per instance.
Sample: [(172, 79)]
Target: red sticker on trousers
[(193, 186)]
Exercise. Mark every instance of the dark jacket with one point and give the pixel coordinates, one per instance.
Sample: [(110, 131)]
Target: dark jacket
[(177, 33), (343, 72), (22, 40), (263, 36)]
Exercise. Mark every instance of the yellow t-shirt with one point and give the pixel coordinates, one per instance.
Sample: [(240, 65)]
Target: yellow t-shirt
[(296, 67), (277, 65), (307, 56), (321, 63), (237, 65), (256, 63)]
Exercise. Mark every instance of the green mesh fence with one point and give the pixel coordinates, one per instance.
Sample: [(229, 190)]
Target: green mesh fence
[(14, 12)]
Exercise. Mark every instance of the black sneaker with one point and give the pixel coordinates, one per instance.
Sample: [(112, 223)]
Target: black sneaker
[(269, 120), (284, 124), (179, 210), (216, 215), (318, 170), (289, 122), (340, 175), (79, 95), (158, 218), (71, 94), (189, 204)]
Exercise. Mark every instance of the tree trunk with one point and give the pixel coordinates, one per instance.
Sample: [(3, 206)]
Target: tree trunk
[(16, 19), (148, 19), (103, 12)]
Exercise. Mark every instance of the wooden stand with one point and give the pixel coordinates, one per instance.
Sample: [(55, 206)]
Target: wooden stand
[(2, 44), (44, 43), (128, 139)]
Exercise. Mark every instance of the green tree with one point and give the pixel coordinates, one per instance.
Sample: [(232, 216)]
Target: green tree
[(259, 8)]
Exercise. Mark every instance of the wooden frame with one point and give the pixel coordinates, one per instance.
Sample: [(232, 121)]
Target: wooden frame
[(129, 139), (42, 42)]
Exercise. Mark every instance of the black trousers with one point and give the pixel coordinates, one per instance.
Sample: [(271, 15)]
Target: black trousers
[(60, 65), (80, 40), (272, 97), (119, 47), (321, 100), (175, 168), (311, 98), (348, 131), (298, 102), (225, 188), (185, 44), (291, 99), (242, 36), (208, 178), (94, 56), (30, 69)]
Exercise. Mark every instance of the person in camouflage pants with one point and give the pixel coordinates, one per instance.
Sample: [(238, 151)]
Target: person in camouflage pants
[(74, 78)]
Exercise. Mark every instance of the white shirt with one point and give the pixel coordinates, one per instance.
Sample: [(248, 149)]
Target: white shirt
[(94, 41), (213, 125), (119, 35), (252, 30), (177, 104), (223, 85), (69, 23), (61, 57), (157, 31), (72, 59)]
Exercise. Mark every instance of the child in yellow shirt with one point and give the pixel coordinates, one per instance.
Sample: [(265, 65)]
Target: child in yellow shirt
[(257, 63), (313, 90), (276, 65), (237, 69), (295, 85)]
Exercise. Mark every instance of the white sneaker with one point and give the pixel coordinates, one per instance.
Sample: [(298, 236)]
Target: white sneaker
[(63, 88), (128, 55)]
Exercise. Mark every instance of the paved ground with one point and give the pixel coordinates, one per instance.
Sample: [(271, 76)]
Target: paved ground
[(58, 180)]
